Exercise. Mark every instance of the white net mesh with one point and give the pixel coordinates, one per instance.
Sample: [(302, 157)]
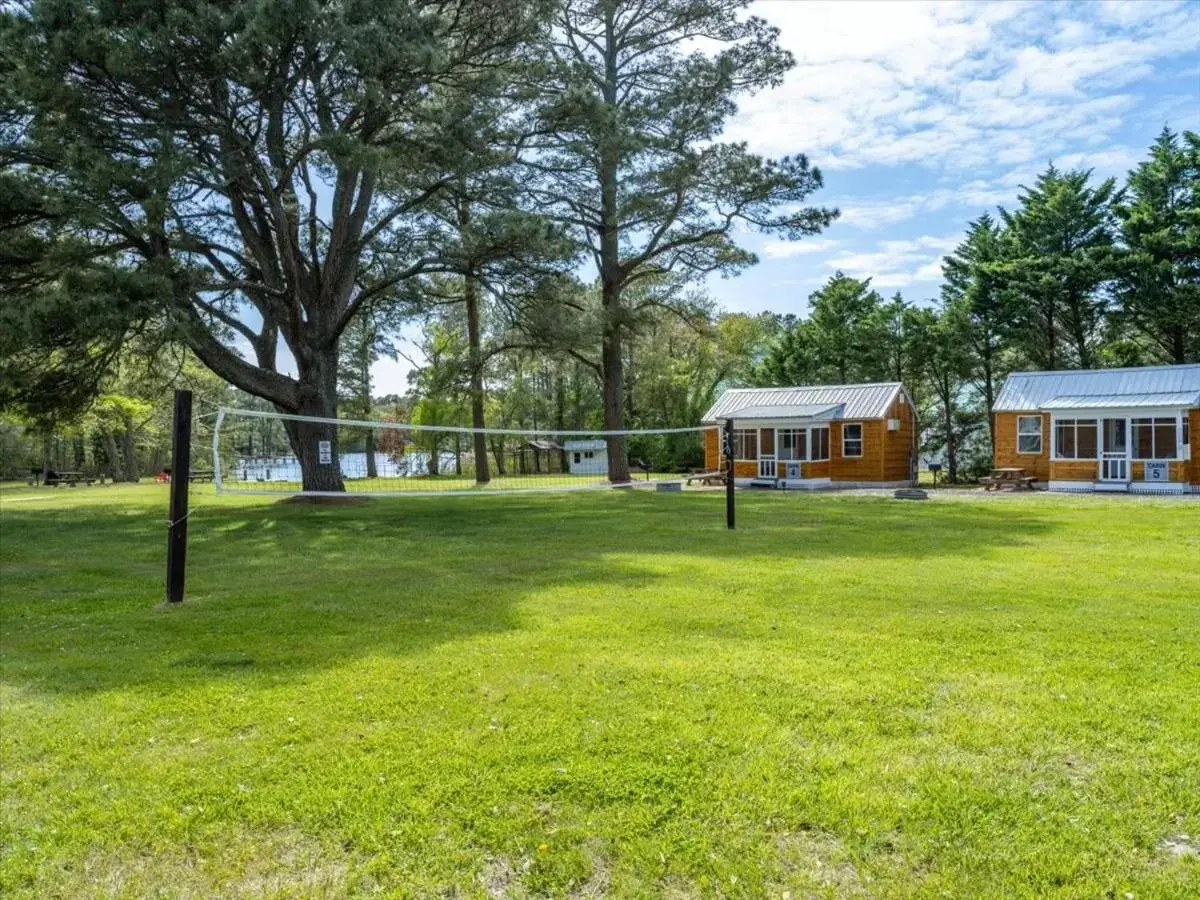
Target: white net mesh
[(274, 453)]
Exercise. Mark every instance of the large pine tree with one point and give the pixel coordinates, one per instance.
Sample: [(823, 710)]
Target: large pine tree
[(264, 167), (1059, 258), (629, 125), (1158, 290)]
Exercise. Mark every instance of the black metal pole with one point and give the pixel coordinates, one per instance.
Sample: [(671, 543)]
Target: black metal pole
[(181, 468), (728, 441)]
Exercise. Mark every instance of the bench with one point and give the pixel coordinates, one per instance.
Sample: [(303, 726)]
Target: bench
[(200, 475), (705, 477)]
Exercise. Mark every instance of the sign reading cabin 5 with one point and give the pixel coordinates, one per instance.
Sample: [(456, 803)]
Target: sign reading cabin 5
[(1156, 470), (325, 453)]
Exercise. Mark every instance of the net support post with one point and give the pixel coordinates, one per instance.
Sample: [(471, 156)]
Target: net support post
[(177, 516), (727, 441)]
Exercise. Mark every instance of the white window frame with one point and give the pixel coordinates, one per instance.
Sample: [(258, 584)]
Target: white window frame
[(811, 444), (780, 441), (1041, 439), (1074, 425), (1156, 422), (739, 439), (858, 440)]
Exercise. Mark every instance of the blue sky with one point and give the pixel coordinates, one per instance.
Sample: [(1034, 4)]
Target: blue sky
[(922, 116)]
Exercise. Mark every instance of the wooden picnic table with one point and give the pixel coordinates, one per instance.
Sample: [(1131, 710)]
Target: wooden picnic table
[(1011, 478), (200, 475), (705, 477), (70, 479)]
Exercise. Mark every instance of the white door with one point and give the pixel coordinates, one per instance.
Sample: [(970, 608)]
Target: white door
[(766, 453), (1114, 456)]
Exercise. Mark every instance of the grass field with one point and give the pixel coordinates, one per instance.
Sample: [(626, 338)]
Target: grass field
[(602, 694)]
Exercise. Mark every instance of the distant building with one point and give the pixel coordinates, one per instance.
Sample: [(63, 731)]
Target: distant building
[(587, 457), (1103, 429), (841, 435)]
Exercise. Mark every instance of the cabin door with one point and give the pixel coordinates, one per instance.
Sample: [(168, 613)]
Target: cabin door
[(766, 453), (1114, 456)]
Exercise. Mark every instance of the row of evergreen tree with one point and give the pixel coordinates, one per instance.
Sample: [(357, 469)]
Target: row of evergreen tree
[(1078, 275)]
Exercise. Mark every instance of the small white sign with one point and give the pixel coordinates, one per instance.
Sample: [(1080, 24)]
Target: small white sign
[(325, 452), (1156, 471)]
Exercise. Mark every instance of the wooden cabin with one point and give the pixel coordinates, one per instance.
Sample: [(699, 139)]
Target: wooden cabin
[(1135, 430), (829, 436)]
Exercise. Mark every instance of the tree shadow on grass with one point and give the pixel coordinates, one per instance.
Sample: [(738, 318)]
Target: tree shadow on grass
[(274, 590)]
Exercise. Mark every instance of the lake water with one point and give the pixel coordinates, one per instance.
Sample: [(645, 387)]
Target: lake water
[(353, 465)]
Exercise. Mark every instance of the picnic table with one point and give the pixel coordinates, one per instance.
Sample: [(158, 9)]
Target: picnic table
[(1010, 478), (705, 477), (70, 479), (200, 475)]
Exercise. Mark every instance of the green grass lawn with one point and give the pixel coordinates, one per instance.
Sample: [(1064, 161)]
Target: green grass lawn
[(601, 694)]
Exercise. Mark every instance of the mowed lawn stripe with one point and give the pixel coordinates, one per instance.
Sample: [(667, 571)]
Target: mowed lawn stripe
[(602, 693)]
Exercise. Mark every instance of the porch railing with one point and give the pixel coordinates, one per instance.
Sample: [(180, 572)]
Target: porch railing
[(1114, 467)]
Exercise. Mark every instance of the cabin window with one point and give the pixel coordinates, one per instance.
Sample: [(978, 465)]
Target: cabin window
[(745, 444), (1155, 439), (852, 442), (1075, 439), (1029, 434), (1183, 431), (793, 444), (819, 439), (589, 455), (576, 459)]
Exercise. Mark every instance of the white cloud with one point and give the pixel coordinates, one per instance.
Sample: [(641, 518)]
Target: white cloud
[(898, 263), (783, 249), (947, 86)]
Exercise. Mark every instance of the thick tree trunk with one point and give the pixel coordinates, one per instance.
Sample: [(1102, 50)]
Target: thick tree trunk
[(116, 470), (475, 351), (951, 443), (612, 364), (989, 399), (611, 359), (129, 451), (498, 452), (369, 447), (560, 415), (317, 398)]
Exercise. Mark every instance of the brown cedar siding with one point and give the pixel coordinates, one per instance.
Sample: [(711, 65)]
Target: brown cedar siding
[(1194, 434), (1079, 470), (885, 453), (899, 445), (1006, 446)]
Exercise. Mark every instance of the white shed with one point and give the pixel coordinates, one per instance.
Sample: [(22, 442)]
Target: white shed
[(587, 457)]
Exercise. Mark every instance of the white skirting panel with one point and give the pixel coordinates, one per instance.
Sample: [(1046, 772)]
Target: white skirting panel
[(1132, 487)]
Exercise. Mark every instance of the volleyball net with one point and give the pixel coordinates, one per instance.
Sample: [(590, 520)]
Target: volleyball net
[(258, 452)]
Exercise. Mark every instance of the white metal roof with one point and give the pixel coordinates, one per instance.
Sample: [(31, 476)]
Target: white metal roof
[(1100, 388), (598, 444), (856, 401), (800, 411), (1121, 401)]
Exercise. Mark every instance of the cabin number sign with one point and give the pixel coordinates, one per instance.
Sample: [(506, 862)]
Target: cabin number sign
[(1156, 471)]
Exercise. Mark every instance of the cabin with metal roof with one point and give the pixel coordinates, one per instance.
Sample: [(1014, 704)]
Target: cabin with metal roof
[(840, 435), (1130, 430)]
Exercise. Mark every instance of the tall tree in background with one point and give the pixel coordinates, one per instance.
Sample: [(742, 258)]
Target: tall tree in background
[(368, 338), (973, 288), (942, 363), (887, 330), (1059, 250), (850, 335), (628, 149), (1158, 291), (263, 166)]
